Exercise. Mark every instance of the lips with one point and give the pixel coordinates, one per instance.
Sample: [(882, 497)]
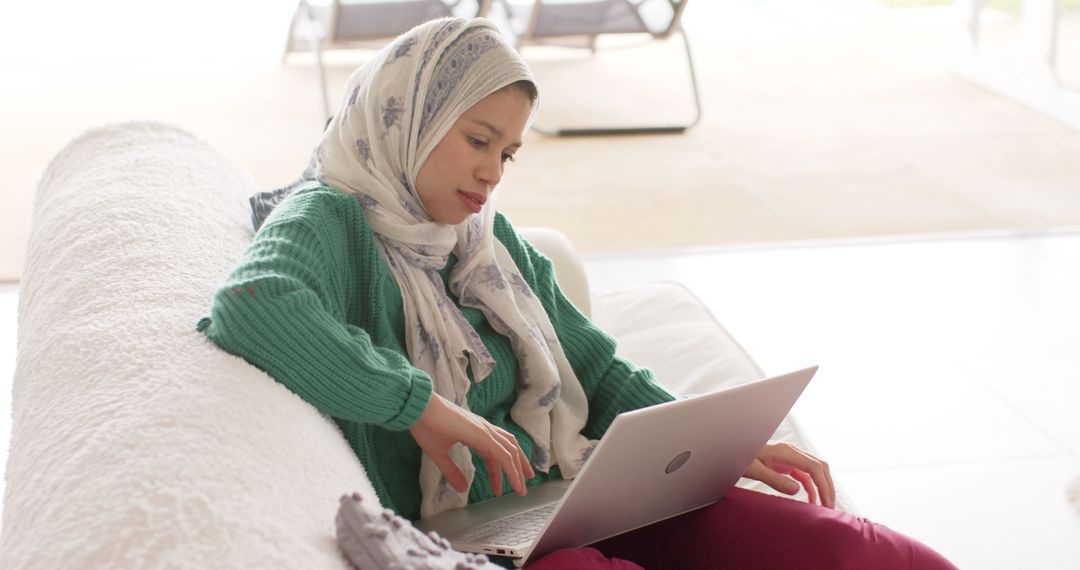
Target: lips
[(472, 201)]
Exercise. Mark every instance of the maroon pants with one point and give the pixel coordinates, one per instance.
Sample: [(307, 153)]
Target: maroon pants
[(748, 529)]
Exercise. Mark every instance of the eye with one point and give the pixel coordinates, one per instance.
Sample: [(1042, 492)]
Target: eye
[(476, 143), (507, 158)]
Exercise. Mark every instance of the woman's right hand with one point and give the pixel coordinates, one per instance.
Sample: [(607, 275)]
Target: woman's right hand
[(443, 424)]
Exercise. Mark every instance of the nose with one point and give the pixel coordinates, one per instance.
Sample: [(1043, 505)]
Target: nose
[(490, 170)]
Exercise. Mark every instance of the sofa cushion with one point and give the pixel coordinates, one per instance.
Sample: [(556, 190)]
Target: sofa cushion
[(666, 328)]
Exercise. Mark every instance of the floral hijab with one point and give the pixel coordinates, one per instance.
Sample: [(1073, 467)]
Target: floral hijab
[(397, 109)]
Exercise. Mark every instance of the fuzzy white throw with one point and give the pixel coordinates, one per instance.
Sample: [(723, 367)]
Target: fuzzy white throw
[(136, 443)]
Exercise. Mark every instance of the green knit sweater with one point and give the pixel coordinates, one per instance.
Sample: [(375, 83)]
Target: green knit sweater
[(314, 305)]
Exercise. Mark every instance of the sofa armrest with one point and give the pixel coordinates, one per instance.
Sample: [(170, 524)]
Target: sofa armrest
[(569, 270), (137, 443)]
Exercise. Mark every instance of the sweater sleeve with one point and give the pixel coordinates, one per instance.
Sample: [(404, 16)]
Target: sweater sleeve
[(612, 384), (282, 310)]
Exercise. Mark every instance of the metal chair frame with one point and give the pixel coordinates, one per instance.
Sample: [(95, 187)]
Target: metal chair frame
[(323, 29), (529, 35), (322, 32)]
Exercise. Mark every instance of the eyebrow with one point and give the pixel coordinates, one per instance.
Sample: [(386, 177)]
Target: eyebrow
[(497, 132)]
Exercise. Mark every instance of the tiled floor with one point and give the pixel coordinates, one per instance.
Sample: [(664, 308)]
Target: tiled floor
[(948, 374)]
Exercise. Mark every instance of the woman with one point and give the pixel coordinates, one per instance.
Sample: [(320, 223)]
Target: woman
[(389, 294)]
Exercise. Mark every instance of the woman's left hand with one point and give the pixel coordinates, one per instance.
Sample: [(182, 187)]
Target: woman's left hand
[(784, 467)]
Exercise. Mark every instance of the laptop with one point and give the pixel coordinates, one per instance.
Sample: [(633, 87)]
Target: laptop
[(652, 464)]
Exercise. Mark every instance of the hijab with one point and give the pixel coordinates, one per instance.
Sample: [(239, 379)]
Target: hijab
[(396, 109)]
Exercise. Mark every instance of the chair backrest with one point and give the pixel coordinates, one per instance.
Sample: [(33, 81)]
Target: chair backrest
[(535, 20), (379, 19), (579, 23)]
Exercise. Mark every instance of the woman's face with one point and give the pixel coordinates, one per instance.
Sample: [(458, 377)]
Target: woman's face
[(463, 169)]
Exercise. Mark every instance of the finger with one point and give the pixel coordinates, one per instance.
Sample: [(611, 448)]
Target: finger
[(514, 468), (495, 479), (819, 471), (529, 471), (502, 460), (776, 480), (821, 481), (816, 469), (520, 464), (832, 487), (451, 472), (808, 484), (521, 458), (824, 481)]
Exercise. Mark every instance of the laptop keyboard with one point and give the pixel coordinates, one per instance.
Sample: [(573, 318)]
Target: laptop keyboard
[(514, 530)]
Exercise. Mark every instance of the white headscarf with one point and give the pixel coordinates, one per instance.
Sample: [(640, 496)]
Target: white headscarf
[(397, 109)]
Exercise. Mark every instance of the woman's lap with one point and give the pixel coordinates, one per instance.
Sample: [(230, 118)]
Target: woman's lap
[(748, 529)]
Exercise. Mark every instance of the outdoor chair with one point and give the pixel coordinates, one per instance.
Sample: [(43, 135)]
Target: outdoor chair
[(362, 24), (569, 22)]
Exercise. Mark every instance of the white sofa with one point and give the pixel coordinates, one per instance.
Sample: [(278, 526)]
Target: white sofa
[(136, 443)]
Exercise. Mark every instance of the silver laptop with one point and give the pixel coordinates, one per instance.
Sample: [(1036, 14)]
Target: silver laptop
[(652, 464)]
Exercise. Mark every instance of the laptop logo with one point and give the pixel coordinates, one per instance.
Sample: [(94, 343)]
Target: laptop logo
[(678, 462)]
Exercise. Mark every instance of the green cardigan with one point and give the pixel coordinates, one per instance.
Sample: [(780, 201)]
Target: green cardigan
[(314, 305)]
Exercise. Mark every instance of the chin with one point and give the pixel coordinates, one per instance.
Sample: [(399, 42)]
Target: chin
[(463, 217), (452, 220)]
